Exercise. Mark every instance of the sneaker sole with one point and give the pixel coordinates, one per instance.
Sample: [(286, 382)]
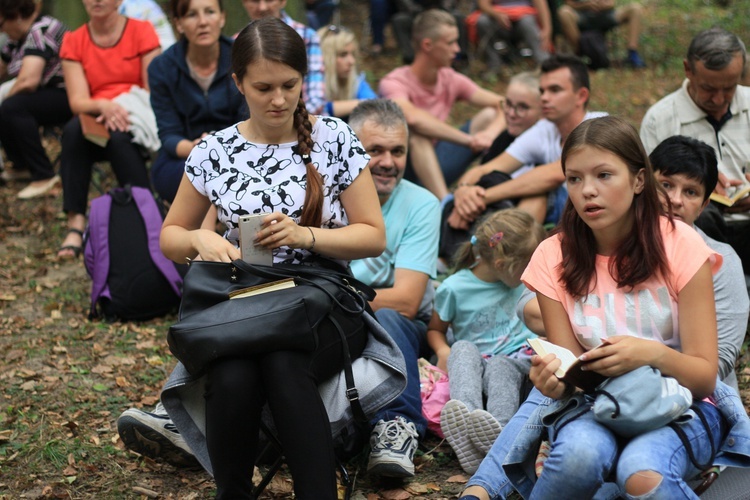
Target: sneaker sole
[(454, 421), (390, 469), (142, 439), (484, 430)]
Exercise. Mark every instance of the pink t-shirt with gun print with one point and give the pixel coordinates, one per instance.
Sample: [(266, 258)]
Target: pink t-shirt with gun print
[(649, 310)]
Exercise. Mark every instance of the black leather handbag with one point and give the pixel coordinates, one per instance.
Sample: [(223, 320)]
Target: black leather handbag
[(211, 325)]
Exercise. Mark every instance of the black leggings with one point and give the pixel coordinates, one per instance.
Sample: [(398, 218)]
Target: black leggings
[(236, 392), (20, 118), (79, 155)]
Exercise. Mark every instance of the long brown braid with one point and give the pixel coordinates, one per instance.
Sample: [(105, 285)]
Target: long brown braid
[(312, 210)]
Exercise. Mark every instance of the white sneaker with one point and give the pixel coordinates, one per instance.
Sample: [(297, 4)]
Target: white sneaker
[(155, 436), (393, 444), (454, 422), (484, 430)]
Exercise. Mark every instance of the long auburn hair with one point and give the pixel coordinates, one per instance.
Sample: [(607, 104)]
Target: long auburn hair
[(271, 39), (641, 254)]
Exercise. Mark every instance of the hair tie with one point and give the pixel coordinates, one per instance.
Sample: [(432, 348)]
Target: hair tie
[(473, 240), (306, 158), (495, 239)]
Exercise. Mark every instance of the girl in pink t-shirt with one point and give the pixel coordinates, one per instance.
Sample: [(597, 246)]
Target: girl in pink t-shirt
[(618, 269)]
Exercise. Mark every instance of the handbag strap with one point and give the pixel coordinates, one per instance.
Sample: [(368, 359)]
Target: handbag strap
[(686, 442), (305, 274), (351, 390)]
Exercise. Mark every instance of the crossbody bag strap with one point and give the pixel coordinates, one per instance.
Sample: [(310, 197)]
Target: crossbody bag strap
[(686, 442), (351, 390)]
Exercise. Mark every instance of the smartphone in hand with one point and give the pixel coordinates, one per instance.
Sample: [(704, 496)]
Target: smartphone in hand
[(252, 253)]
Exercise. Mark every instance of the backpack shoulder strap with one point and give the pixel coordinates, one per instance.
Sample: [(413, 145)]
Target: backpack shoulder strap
[(96, 255), (153, 220)]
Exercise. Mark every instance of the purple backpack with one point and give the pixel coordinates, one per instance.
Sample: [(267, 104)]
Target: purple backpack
[(132, 279)]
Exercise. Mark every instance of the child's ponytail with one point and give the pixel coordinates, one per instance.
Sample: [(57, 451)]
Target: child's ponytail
[(465, 257)]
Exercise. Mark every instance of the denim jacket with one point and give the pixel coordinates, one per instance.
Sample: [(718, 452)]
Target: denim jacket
[(519, 463)]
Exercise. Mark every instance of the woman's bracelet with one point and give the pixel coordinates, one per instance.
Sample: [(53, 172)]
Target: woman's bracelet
[(312, 245)]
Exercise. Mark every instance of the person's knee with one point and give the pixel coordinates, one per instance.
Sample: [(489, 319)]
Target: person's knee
[(387, 317), (566, 13), (72, 130), (483, 119), (642, 482), (577, 458), (635, 9), (393, 322), (463, 347), (11, 106)]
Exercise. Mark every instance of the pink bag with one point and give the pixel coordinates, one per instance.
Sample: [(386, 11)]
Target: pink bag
[(435, 391)]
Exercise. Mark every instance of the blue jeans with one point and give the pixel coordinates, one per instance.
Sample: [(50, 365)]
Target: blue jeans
[(380, 12), (578, 468), (411, 337), (319, 14), (454, 159), (660, 450), (556, 201), (166, 175), (490, 474)]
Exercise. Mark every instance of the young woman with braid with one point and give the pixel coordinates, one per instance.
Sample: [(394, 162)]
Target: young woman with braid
[(309, 174)]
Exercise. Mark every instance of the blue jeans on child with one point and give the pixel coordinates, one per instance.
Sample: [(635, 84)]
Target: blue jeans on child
[(580, 470)]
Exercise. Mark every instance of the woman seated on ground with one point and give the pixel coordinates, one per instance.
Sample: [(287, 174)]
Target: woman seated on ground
[(522, 108), (310, 174), (192, 92), (35, 96), (345, 86), (102, 59)]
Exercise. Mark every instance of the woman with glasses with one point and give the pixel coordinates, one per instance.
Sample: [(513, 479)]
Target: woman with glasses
[(345, 87), (35, 94), (192, 91), (522, 108)]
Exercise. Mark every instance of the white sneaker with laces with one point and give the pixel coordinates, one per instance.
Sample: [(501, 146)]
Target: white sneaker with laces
[(155, 436), (393, 444)]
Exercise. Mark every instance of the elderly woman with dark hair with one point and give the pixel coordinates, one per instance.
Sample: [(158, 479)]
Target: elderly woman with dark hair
[(192, 91), (35, 94)]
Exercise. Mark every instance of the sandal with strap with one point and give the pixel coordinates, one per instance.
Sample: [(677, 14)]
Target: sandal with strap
[(76, 249)]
